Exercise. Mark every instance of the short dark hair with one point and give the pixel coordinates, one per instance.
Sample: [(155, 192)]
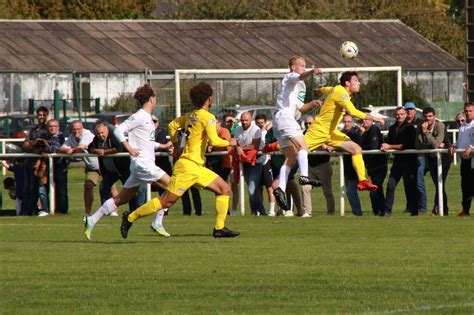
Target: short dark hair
[(347, 76), (226, 116), (143, 94), (200, 93), (428, 110), (42, 109), (261, 116), (468, 104), (8, 182)]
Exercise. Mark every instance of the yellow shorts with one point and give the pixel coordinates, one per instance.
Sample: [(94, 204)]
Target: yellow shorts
[(316, 137), (186, 173), (93, 177)]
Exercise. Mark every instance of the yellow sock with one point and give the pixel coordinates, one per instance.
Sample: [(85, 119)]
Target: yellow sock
[(359, 166), (146, 209), (222, 206)]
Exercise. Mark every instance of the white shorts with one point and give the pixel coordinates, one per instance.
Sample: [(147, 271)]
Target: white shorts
[(143, 172), (285, 126)]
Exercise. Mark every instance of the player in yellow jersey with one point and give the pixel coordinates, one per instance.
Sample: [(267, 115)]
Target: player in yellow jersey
[(324, 128), (199, 127)]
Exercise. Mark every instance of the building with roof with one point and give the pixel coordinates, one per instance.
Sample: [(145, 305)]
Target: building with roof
[(106, 58)]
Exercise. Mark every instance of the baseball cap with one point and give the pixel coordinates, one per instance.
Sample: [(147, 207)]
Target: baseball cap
[(409, 105)]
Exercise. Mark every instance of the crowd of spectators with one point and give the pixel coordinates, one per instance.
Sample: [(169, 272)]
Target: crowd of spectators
[(260, 171)]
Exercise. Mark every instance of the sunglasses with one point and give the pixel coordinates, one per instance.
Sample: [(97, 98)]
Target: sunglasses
[(229, 121), (460, 121)]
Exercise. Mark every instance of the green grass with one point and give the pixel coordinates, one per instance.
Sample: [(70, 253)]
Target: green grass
[(278, 265)]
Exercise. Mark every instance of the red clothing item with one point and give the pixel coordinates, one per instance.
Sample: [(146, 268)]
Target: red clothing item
[(249, 157)]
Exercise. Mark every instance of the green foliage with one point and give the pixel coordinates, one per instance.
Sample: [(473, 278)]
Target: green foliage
[(124, 103), (381, 90), (77, 9), (432, 19)]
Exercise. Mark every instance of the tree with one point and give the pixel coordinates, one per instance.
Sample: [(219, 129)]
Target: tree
[(124, 103), (77, 9)]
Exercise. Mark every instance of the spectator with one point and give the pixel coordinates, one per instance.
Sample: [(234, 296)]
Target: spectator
[(31, 184), (230, 123), (466, 142), (376, 164), (432, 134), (415, 121), (220, 165), (350, 176), (77, 142), (401, 136), (15, 186), (248, 138), (51, 144), (319, 168), (460, 118), (112, 169), (267, 174)]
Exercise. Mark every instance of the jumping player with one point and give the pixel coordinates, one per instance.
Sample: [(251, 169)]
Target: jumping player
[(141, 145), (324, 128), (199, 127), (288, 131)]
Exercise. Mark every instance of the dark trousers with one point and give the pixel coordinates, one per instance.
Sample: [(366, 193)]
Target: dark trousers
[(377, 198), (196, 200), (30, 189), (433, 168), (467, 184), (60, 186), (409, 180), (109, 179)]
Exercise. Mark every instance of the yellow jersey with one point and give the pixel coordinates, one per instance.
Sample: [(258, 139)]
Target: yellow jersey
[(199, 127), (337, 104)]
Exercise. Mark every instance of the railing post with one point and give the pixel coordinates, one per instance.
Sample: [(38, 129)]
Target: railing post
[(148, 192), (52, 190), (455, 155), (241, 189), (440, 184), (4, 171), (342, 192)]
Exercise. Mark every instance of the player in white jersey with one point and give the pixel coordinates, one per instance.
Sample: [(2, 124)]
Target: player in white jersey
[(289, 104), (141, 145)]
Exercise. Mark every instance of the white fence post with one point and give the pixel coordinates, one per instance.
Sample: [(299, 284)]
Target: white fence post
[(440, 184), (52, 190), (342, 191), (241, 189)]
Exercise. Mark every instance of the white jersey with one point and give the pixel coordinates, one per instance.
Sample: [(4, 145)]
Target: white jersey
[(291, 95), (141, 135)]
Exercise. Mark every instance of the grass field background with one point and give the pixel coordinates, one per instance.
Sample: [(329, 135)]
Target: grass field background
[(278, 265)]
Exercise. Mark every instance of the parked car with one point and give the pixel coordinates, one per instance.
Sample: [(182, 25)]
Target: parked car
[(111, 118), (16, 125), (254, 110)]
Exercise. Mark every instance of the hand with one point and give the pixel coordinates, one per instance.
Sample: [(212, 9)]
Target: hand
[(424, 126), (316, 103), (379, 120), (69, 151), (209, 148), (233, 142), (317, 71), (385, 147), (239, 150), (328, 148), (100, 152), (134, 152), (467, 153), (171, 150), (451, 150)]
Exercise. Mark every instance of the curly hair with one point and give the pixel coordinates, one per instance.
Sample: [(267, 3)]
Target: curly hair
[(143, 94), (200, 93), (347, 76)]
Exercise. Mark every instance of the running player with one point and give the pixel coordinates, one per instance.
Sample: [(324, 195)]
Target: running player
[(324, 128), (141, 145), (199, 127), (288, 131)]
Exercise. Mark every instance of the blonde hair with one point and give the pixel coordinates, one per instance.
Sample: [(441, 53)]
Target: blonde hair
[(293, 59)]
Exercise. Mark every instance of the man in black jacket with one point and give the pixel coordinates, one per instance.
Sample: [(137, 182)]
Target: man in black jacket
[(401, 136), (111, 168), (376, 164)]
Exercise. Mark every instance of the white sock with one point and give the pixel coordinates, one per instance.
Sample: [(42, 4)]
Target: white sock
[(106, 208), (303, 162), (159, 217), (284, 172), (272, 207)]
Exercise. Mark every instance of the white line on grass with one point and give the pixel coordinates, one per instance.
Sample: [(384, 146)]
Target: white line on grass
[(429, 308)]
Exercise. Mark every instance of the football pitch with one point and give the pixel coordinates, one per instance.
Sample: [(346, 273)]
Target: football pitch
[(278, 265)]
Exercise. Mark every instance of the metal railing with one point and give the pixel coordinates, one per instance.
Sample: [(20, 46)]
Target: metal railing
[(340, 155)]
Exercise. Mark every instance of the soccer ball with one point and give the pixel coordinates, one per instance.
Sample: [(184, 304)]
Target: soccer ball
[(349, 50)]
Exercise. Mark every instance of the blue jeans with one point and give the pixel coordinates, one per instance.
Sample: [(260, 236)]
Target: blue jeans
[(353, 196), (43, 196), (252, 175), (377, 198), (433, 168), (420, 183)]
